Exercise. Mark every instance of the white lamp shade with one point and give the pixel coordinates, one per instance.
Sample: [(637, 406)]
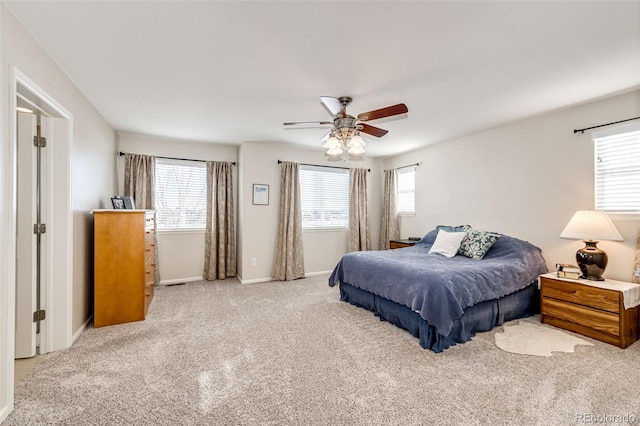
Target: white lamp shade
[(591, 225)]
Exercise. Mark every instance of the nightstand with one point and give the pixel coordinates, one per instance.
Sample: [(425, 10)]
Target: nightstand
[(592, 308), (396, 244)]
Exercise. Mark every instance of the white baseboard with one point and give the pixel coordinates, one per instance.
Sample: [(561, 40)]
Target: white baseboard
[(255, 280), (4, 413), (262, 280), (311, 274), (82, 328), (181, 280)]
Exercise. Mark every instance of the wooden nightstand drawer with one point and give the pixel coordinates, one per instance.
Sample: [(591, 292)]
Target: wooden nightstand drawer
[(578, 314), (607, 300)]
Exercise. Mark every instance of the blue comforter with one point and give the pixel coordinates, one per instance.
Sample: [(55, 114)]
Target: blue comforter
[(437, 287)]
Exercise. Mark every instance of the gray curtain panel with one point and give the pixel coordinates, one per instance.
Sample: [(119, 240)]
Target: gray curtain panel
[(140, 180), (289, 259), (390, 229), (359, 235), (140, 184), (220, 234)]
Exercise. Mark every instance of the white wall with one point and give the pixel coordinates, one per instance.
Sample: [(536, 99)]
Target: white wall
[(181, 253), (92, 177), (258, 163), (524, 179)]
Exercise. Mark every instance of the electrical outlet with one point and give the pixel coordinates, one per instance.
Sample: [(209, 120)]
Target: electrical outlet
[(253, 261), (637, 274)]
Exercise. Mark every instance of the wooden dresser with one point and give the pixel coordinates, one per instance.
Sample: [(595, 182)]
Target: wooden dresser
[(599, 313), (124, 265)]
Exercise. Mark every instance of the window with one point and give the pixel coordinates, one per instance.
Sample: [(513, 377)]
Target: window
[(617, 171), (406, 197), (181, 194), (324, 197)]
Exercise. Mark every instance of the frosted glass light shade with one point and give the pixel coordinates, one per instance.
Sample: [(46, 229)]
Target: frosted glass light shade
[(356, 150), (357, 141), (336, 150), (332, 142), (591, 225)]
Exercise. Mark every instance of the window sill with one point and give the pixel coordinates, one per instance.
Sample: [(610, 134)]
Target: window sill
[(181, 231), (311, 230)]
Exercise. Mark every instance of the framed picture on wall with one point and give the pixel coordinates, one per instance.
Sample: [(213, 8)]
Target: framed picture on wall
[(118, 203), (260, 194)]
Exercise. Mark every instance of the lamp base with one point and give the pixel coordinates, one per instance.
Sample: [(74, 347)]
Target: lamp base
[(592, 261), (591, 277)]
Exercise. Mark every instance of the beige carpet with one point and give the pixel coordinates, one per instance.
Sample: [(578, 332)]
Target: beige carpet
[(532, 338), (291, 353)]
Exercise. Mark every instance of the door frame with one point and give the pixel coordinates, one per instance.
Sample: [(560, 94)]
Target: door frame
[(57, 299)]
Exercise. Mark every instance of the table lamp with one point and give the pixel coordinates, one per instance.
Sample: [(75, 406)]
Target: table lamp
[(591, 226)]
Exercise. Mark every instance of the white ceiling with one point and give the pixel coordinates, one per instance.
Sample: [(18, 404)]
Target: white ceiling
[(234, 71)]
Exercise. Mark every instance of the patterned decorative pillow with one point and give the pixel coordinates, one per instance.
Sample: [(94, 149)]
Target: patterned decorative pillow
[(447, 228), (477, 243)]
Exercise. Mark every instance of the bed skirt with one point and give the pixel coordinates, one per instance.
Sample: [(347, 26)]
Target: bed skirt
[(477, 318)]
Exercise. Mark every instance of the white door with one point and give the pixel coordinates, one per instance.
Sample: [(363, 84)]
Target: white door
[(26, 241)]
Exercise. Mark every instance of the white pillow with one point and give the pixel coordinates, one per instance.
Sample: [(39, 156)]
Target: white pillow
[(447, 243)]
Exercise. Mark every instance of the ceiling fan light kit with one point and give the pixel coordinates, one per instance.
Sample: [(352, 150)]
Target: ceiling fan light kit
[(345, 137)]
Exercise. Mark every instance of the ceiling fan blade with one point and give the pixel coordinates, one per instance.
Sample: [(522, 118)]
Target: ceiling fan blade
[(331, 104), (383, 112), (307, 123), (371, 130), (326, 137)]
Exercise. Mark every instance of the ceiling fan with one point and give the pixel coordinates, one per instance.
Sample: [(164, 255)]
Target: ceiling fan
[(346, 128)]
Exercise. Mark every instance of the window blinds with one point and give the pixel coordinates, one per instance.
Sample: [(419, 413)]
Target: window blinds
[(324, 197), (617, 172), (181, 194), (405, 203)]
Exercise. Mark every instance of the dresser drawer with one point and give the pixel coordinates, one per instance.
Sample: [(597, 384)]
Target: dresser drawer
[(600, 298), (148, 296), (149, 249), (149, 220), (149, 270), (584, 316)]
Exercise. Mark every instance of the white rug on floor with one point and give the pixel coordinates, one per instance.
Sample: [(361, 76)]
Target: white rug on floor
[(536, 339)]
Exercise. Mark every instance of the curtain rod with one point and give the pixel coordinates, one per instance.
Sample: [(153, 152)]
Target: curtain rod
[(602, 125), (329, 167), (408, 165), (173, 158)]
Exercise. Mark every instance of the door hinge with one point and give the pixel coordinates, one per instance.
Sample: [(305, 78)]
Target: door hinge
[(39, 315), (39, 228), (40, 141)]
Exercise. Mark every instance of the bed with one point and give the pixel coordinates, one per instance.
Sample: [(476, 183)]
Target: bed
[(443, 301)]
